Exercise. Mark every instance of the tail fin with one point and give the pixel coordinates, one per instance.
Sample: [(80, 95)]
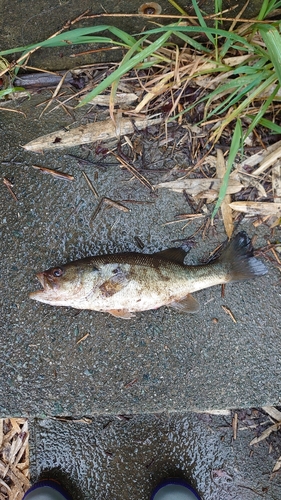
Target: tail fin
[(239, 261)]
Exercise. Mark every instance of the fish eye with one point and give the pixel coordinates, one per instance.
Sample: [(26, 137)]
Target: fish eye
[(57, 272)]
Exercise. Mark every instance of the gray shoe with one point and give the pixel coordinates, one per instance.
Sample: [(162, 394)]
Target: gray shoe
[(174, 489), (46, 490)]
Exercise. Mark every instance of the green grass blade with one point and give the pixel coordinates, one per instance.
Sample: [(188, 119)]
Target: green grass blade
[(122, 35), (272, 39), (257, 91), (65, 38), (270, 125), (124, 68), (236, 144), (267, 7), (193, 43), (174, 28), (235, 96), (178, 7), (10, 90), (256, 120), (126, 58), (202, 20)]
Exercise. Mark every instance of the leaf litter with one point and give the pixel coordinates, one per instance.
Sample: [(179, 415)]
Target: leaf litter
[(14, 458), (199, 87)]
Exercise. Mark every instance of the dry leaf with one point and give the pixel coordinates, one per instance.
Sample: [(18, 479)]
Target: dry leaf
[(257, 207), (14, 457), (268, 161), (276, 182), (92, 132), (195, 187), (225, 206), (266, 433), (120, 99), (249, 181), (273, 412), (257, 158), (277, 466)]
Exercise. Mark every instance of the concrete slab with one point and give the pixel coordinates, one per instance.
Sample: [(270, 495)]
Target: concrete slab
[(177, 362), (125, 458)]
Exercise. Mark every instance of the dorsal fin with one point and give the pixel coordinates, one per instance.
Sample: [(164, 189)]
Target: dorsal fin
[(172, 254)]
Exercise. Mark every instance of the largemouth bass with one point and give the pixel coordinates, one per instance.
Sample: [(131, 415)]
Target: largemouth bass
[(124, 283)]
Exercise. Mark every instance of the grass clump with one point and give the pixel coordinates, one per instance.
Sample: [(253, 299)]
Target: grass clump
[(237, 71)]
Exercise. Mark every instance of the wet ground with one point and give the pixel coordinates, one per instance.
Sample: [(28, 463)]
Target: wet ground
[(156, 362), (175, 361), (125, 457)]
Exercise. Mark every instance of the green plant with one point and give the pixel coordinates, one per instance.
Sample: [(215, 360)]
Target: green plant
[(241, 67)]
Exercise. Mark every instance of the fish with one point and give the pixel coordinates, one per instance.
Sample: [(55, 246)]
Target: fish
[(123, 284)]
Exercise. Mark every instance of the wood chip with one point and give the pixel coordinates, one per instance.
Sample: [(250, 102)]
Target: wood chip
[(230, 313), (216, 412), (256, 207), (134, 171), (9, 186), (225, 206), (115, 204), (112, 203), (90, 184), (54, 173), (83, 338), (91, 132), (235, 425)]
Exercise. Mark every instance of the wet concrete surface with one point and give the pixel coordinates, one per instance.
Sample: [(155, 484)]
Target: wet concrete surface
[(176, 362), (125, 457)]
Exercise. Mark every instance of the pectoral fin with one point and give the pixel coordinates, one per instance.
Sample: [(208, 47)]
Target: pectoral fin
[(113, 285), (189, 304), (121, 313)]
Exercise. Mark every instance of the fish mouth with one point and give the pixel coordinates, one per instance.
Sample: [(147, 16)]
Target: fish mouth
[(42, 278)]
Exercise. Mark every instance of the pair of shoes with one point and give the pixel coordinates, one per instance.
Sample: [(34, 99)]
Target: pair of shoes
[(46, 490), (174, 489), (170, 489)]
